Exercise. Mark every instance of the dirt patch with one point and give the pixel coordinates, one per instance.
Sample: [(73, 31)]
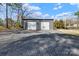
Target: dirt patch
[(73, 32)]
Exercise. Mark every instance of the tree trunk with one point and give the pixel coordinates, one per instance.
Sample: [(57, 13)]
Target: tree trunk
[(18, 15), (6, 15), (77, 22), (11, 17), (22, 18)]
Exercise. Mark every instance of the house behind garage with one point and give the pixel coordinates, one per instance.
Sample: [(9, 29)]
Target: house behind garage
[(38, 24)]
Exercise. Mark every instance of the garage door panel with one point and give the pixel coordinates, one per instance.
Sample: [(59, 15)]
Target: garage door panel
[(31, 25), (44, 25)]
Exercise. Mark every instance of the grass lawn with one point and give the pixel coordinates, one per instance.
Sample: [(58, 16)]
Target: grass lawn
[(2, 28), (70, 31)]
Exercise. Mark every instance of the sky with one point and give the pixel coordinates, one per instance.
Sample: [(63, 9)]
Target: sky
[(47, 10), (57, 10)]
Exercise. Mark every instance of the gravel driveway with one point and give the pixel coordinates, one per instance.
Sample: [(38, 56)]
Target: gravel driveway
[(39, 44)]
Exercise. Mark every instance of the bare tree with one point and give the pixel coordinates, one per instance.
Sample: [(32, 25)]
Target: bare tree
[(77, 14)]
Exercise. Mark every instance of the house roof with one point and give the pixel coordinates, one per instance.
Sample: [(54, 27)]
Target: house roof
[(37, 19)]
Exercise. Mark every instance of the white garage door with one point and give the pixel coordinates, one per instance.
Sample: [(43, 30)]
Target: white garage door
[(31, 25), (44, 25)]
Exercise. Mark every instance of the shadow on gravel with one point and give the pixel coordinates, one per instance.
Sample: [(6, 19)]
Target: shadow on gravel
[(43, 45)]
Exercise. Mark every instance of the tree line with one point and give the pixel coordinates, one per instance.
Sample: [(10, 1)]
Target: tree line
[(62, 24), (15, 8)]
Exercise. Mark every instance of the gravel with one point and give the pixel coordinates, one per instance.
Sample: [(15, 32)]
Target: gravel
[(39, 44)]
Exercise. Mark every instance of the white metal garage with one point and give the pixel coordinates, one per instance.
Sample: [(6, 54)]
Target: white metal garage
[(44, 25), (38, 24)]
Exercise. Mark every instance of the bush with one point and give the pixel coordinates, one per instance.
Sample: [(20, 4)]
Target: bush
[(1, 22), (59, 24), (17, 25)]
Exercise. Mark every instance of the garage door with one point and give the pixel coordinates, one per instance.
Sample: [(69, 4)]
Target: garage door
[(31, 25), (44, 25)]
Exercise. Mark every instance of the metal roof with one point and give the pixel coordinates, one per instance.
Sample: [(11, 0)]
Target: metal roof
[(37, 19)]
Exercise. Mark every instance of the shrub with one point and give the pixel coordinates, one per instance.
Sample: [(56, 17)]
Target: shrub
[(1, 22), (17, 25), (59, 24)]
